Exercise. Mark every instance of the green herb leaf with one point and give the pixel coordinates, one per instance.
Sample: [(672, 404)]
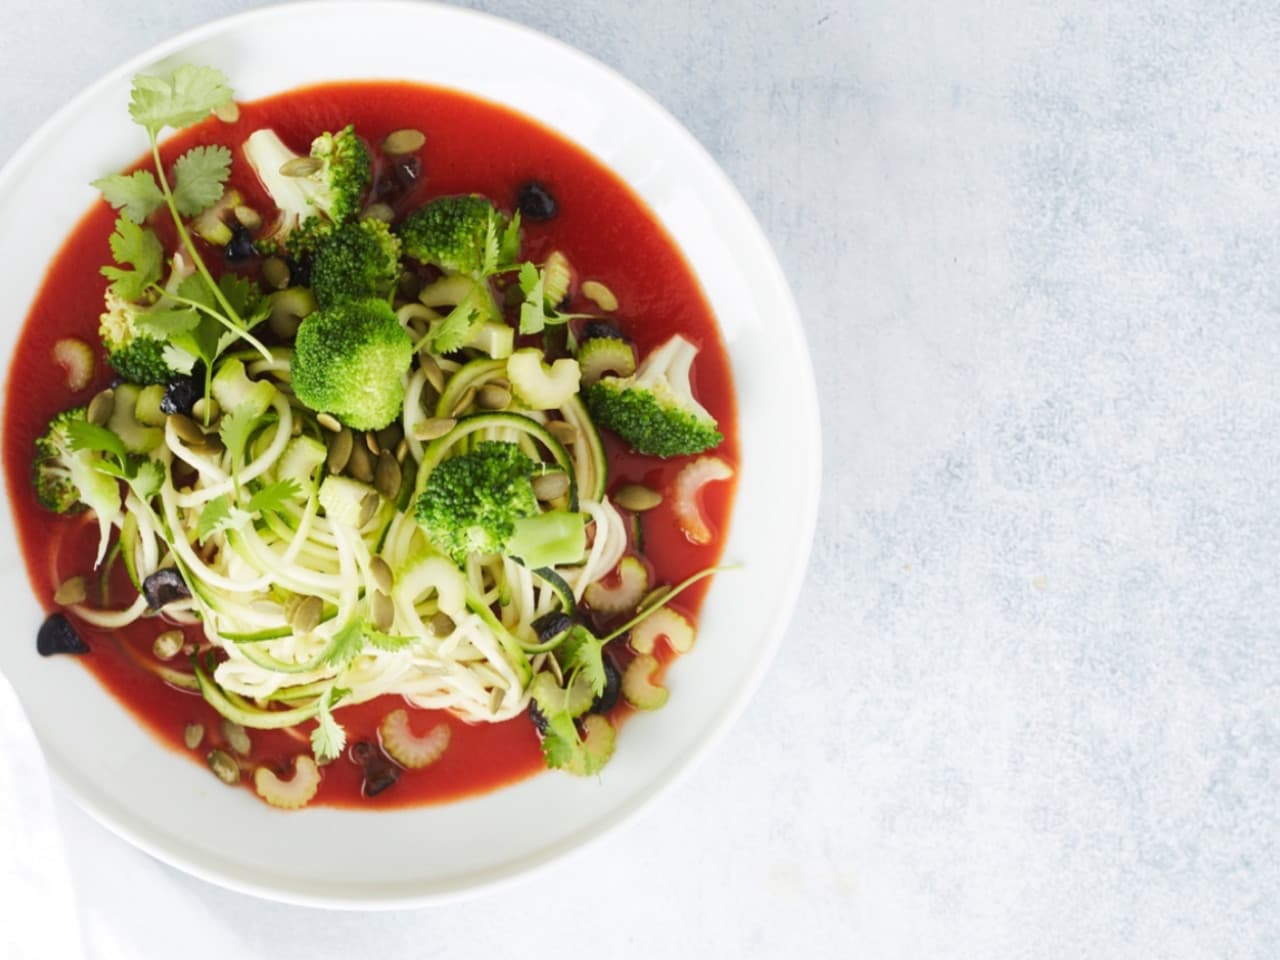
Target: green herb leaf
[(386, 641), (139, 248), (188, 96), (83, 435), (533, 315), (135, 195), (274, 496), (492, 246), (163, 324), (345, 645), (220, 515), (582, 653), (511, 241), (200, 175), (328, 739), (452, 332), (244, 295), (235, 429), (148, 477)]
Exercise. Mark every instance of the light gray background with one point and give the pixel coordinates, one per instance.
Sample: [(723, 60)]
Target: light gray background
[(1028, 706)]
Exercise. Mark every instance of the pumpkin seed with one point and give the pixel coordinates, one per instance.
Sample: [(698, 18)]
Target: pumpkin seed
[(382, 575), (101, 407), (464, 401), (378, 211), (381, 611), (360, 465), (224, 767), (403, 142), (329, 422), (492, 396), (556, 672), (433, 427), (402, 451), (211, 447), (368, 507), (72, 590), (228, 112), (187, 429), (435, 376), (248, 218), (387, 475), (442, 624), (371, 441), (237, 737), (564, 431), (300, 167), (192, 734), (602, 296), (168, 644), (551, 486), (306, 615), (340, 445), (275, 272), (496, 697), (636, 498)]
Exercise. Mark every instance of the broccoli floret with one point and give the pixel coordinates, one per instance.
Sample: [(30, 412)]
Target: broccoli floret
[(138, 357), (350, 361), (654, 409), (357, 261), (67, 480), (463, 234), (310, 203), (472, 501)]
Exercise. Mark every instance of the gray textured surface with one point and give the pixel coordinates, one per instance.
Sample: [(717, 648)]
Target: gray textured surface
[(1028, 707)]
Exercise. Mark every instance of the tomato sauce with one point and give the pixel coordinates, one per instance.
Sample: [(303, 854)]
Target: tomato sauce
[(472, 147)]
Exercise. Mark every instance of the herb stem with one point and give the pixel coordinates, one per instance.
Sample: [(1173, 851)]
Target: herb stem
[(667, 597)]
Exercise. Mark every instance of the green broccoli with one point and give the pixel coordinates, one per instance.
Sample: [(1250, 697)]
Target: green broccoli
[(311, 201), (357, 261), (66, 477), (136, 356), (471, 502), (350, 361), (654, 410), (462, 234)]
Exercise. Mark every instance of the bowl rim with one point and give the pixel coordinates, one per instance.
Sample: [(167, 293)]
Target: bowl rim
[(807, 489)]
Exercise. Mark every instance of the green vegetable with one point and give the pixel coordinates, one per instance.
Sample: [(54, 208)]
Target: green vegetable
[(350, 361), (312, 204), (66, 473), (463, 234), (472, 501), (357, 261), (655, 410), (548, 539), (542, 386), (605, 355)]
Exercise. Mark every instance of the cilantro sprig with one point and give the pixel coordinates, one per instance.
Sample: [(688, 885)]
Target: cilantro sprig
[(196, 182)]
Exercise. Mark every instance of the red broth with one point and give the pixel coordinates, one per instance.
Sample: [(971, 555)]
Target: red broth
[(472, 147)]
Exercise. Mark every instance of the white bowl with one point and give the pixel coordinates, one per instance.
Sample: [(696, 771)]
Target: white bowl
[(172, 807)]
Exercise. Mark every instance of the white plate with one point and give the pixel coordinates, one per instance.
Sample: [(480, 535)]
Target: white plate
[(172, 807)]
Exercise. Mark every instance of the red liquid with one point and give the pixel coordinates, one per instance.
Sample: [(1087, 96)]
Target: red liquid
[(472, 147)]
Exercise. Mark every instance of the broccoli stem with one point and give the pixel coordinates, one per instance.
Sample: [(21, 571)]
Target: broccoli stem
[(231, 320)]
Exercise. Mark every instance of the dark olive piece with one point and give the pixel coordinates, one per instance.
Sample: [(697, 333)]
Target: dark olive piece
[(599, 330), (299, 270), (536, 202), (537, 717), (379, 772), (407, 171), (612, 686), (181, 393), (240, 248), (163, 587), (57, 635), (551, 625)]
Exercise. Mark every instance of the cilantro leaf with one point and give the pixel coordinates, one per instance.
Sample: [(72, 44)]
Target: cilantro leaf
[(511, 240), (533, 316), (561, 744), (195, 289), (582, 653), (386, 641), (199, 176), (244, 295), (274, 495), (163, 324), (219, 515), (328, 739), (235, 429), (139, 248), (146, 480), (345, 645), (83, 435), (189, 95), (492, 246), (135, 195), (453, 329)]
